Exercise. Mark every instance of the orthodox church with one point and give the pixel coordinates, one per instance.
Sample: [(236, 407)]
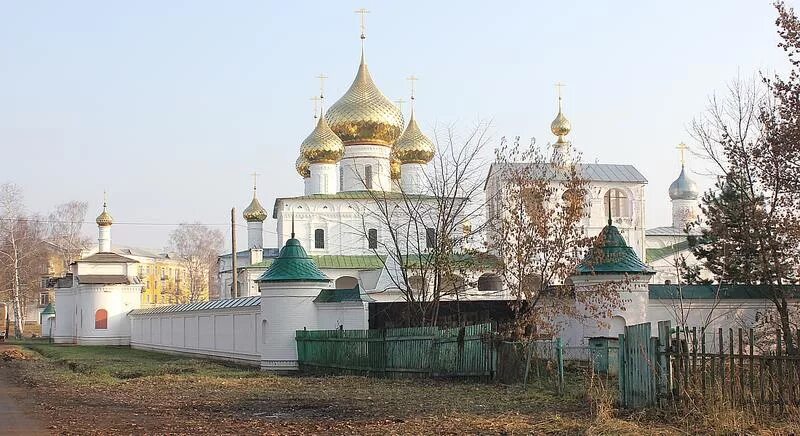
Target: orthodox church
[(331, 273)]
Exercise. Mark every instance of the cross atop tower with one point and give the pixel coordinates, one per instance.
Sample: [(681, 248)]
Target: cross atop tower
[(105, 199), (322, 78), (255, 180), (559, 85), (363, 12), (400, 102), (316, 99), (682, 147)]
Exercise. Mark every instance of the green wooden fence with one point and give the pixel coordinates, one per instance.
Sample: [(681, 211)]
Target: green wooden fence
[(420, 351)]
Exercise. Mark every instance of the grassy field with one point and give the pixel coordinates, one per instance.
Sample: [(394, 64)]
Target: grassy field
[(102, 390)]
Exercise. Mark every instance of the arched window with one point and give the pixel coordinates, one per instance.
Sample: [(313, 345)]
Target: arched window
[(368, 176), (372, 238), (101, 319), (346, 282), (490, 283), (620, 206), (417, 284), (430, 237), (451, 285), (319, 238)]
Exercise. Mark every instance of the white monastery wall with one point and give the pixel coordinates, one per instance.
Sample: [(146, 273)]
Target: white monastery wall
[(231, 334)]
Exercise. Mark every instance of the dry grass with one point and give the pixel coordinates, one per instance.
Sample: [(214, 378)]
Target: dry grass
[(82, 390)]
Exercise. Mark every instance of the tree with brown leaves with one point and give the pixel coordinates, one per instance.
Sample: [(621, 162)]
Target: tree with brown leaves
[(536, 229)]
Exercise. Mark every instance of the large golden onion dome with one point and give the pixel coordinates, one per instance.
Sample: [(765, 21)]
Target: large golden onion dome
[(413, 146), (254, 211), (364, 115), (394, 167), (303, 167), (104, 219), (322, 145)]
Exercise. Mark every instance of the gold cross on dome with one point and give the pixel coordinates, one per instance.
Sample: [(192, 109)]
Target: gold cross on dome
[(316, 101), (412, 78), (363, 12), (400, 103), (322, 78), (255, 179), (682, 147), (559, 85)]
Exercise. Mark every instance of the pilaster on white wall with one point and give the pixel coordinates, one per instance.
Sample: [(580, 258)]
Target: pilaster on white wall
[(323, 178), (366, 167)]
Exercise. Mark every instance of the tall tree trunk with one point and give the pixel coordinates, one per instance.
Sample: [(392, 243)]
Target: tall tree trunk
[(786, 327), (17, 301)]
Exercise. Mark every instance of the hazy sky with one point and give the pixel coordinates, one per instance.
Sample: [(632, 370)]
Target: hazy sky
[(170, 105)]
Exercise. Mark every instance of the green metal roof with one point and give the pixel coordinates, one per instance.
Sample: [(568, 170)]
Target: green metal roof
[(49, 309), (229, 303), (714, 291), (462, 260), (340, 295), (331, 261), (293, 265), (654, 254), (612, 255)]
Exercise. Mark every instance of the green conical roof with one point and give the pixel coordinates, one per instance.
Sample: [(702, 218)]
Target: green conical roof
[(293, 265), (612, 255), (49, 309)]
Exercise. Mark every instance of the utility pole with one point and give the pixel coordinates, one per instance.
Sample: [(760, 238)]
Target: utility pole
[(235, 292)]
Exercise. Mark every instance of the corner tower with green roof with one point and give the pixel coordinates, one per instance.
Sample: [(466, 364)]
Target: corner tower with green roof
[(612, 262), (288, 290)]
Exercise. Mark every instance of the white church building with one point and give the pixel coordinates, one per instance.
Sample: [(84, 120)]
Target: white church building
[(330, 273)]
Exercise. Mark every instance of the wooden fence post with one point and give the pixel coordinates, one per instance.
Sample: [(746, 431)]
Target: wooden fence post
[(622, 371), (560, 358), (664, 388)]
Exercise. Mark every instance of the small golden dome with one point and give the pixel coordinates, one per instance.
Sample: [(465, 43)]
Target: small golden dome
[(364, 115), (394, 167), (413, 146), (104, 219), (561, 125), (322, 145), (302, 166), (254, 212)]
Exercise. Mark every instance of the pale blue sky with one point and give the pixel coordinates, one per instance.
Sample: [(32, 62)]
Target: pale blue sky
[(171, 104)]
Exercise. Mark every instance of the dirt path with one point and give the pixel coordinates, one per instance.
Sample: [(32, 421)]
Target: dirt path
[(14, 419)]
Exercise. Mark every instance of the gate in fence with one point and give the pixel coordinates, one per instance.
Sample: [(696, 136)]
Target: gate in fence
[(422, 351), (637, 372)]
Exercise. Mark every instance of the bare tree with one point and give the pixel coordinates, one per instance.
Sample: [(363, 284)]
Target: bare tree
[(65, 230), (425, 233), (197, 246), (20, 247), (750, 233), (536, 231)]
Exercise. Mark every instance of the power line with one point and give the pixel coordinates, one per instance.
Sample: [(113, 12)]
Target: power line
[(131, 223)]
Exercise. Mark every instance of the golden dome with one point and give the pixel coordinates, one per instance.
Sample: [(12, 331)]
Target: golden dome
[(561, 125), (302, 166), (104, 219), (413, 146), (322, 145), (364, 115), (394, 167), (254, 212)]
